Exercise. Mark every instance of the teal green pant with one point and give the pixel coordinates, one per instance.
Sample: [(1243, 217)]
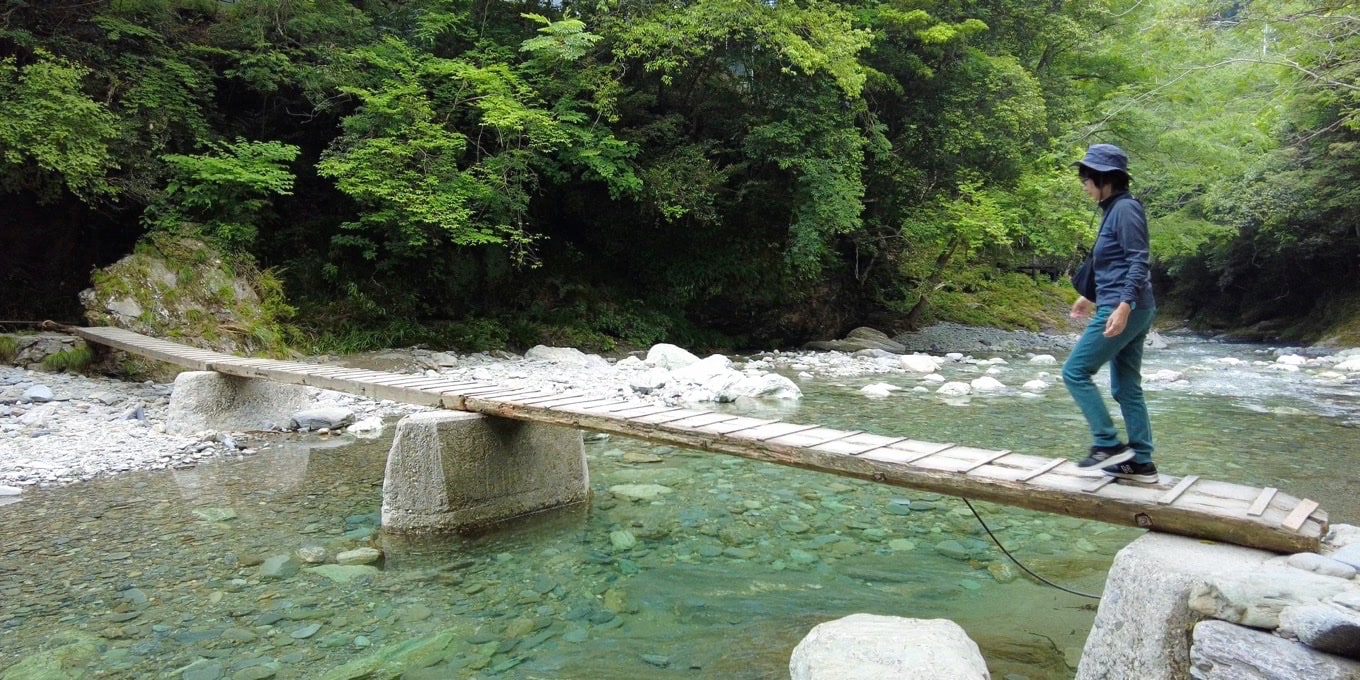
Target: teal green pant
[(1124, 354)]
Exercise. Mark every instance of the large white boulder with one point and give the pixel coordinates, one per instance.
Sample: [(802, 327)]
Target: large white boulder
[(868, 646), (764, 386), (987, 384), (669, 357), (704, 370), (210, 401), (567, 356), (920, 363), (954, 389), (1140, 627)]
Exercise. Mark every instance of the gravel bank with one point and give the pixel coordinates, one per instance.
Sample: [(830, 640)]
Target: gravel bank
[(953, 337)]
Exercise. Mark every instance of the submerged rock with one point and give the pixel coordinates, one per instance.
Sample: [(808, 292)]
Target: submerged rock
[(69, 661), (639, 492)]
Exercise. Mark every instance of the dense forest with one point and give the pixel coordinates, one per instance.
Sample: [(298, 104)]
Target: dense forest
[(718, 173)]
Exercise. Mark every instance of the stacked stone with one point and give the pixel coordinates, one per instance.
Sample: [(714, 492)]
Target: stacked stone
[(1250, 613), (1268, 621)]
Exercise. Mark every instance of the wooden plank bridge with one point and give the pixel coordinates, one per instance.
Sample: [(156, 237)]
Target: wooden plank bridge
[(1191, 506)]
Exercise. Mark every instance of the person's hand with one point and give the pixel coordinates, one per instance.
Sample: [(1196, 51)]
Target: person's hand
[(1082, 308), (1118, 319)]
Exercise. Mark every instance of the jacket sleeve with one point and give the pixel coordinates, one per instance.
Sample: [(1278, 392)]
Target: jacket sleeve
[(1130, 230)]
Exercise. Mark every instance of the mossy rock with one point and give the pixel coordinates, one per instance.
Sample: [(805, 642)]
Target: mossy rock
[(71, 659), (185, 290)]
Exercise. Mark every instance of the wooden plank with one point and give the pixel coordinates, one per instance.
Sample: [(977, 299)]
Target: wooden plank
[(1294, 521), (478, 391), (751, 426), (644, 410), (987, 460), (510, 398), (462, 391), (384, 379), (1098, 484), (1043, 469), (615, 403), (1262, 501), (556, 396), (662, 418), (880, 445), (501, 394), (464, 383), (589, 407), (358, 374), (440, 386), (418, 383), (888, 454), (734, 425), (917, 456), (771, 431), (804, 428), (708, 418), (1170, 497), (531, 394), (833, 438)]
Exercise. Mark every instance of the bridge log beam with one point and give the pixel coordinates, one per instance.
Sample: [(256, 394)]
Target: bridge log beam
[(457, 472)]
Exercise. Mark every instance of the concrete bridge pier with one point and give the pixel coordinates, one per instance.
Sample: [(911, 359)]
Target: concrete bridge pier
[(453, 471)]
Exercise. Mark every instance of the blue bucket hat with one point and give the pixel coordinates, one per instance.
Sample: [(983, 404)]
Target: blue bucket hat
[(1105, 158)]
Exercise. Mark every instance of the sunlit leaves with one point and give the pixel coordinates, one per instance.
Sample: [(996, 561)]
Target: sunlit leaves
[(448, 151), (806, 38), (219, 194), (47, 121), (565, 40)]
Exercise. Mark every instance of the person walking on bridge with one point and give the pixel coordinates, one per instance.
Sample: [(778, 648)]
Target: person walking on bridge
[(1120, 317)]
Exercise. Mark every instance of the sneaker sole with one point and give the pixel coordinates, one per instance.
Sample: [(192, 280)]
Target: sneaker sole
[(1152, 478), (1122, 457)]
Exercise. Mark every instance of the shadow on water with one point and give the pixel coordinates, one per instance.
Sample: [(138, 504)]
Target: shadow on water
[(199, 573)]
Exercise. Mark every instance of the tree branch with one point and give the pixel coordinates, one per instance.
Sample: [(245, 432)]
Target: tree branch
[(1236, 60)]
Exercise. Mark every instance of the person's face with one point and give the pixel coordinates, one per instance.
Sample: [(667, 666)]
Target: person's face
[(1097, 193)]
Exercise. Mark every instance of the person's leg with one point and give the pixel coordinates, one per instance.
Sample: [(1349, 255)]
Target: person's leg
[(1092, 351), (1126, 384)]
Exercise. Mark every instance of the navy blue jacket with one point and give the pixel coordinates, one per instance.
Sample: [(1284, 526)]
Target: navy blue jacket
[(1121, 254)]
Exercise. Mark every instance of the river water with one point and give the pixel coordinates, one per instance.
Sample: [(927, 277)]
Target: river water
[(159, 574)]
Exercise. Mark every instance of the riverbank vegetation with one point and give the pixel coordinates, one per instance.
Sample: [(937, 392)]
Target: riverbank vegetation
[(487, 174)]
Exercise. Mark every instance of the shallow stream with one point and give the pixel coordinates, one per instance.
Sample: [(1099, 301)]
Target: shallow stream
[(157, 574)]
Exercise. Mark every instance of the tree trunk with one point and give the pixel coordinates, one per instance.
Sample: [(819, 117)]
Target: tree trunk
[(919, 309)]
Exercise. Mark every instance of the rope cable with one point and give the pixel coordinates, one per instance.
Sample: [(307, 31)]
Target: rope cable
[(1016, 561)]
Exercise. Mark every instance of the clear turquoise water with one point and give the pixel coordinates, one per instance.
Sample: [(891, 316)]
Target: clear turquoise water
[(726, 574)]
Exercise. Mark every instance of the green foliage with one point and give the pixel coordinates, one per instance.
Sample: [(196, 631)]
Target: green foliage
[(9, 348), (75, 359), (565, 40), (807, 38), (1247, 124), (51, 133), (221, 194), (626, 172), (981, 296), (448, 152)]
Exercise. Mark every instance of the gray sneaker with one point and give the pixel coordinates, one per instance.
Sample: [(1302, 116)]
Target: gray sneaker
[(1134, 472), (1103, 456)]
